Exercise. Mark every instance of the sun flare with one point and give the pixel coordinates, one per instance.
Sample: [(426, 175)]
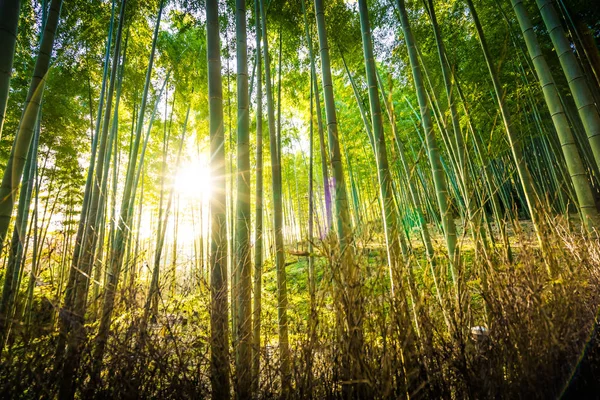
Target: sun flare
[(193, 180)]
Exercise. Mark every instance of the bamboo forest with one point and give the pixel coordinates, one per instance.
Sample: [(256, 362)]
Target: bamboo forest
[(299, 199)]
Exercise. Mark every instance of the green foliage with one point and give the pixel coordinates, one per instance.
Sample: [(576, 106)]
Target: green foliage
[(537, 322)]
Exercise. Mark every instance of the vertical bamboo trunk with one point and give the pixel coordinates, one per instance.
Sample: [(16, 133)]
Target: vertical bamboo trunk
[(299, 212), (584, 100), (111, 226), (377, 138), (459, 145), (279, 95), (341, 200), (439, 179), (575, 166), (174, 253), (349, 282), (312, 318), (315, 89), (153, 293), (67, 246), (13, 268), (200, 274), (97, 274), (20, 238), (77, 334), (230, 202), (139, 248), (529, 190), (16, 161), (458, 138), (9, 22), (585, 36), (151, 304), (36, 236), (122, 232), (64, 322), (242, 223), (258, 230), (282, 302), (219, 342)]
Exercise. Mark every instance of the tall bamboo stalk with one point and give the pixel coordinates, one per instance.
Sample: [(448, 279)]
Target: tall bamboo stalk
[(64, 322), (9, 22), (282, 302), (439, 179), (588, 112), (153, 292), (122, 232), (349, 279), (219, 341), (575, 166), (13, 268), (323, 151), (529, 190), (82, 280), (243, 262), (16, 161), (397, 256), (312, 285), (461, 154), (258, 225)]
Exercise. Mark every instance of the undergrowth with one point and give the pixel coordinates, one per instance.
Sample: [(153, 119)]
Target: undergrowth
[(522, 328)]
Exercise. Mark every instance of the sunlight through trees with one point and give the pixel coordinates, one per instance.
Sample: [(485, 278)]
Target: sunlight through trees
[(299, 199)]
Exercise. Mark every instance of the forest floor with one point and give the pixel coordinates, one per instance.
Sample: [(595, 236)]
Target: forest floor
[(541, 333)]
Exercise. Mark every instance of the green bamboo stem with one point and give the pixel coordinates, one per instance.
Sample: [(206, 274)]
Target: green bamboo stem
[(219, 340), (82, 280), (439, 180), (415, 201), (582, 95), (258, 225), (282, 302), (349, 281), (575, 167), (9, 22), (529, 191), (243, 264), (13, 268), (163, 218), (322, 144), (16, 161), (120, 242), (64, 322)]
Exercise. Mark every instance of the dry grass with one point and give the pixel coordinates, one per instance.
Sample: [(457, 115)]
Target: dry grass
[(542, 342)]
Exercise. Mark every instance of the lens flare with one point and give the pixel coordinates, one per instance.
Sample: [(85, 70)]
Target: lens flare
[(193, 180)]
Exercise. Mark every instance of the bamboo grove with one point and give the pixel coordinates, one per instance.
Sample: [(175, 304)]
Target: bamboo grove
[(299, 199)]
